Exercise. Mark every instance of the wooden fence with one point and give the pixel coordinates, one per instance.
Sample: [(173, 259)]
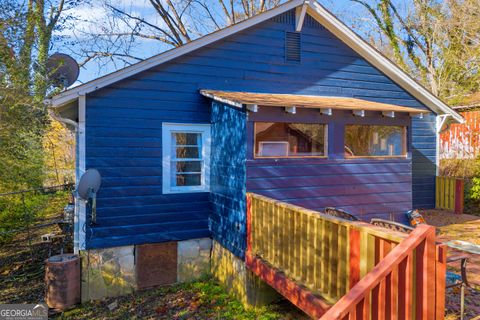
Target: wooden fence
[(449, 194), (322, 259)]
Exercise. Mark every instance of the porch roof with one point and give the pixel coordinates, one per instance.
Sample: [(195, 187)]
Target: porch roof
[(239, 99)]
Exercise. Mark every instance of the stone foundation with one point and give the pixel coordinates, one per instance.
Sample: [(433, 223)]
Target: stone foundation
[(239, 281), (193, 259), (111, 272), (107, 272)]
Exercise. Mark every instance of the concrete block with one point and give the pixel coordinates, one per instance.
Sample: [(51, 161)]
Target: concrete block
[(107, 272), (193, 259), (232, 272)]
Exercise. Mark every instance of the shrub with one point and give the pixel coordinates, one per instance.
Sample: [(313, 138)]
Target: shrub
[(469, 170)]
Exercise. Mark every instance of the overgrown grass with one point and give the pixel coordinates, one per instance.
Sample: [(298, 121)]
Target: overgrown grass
[(203, 299), (20, 210)]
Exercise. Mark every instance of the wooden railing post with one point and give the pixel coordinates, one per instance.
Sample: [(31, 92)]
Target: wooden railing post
[(459, 194), (354, 257), (249, 223), (425, 277)]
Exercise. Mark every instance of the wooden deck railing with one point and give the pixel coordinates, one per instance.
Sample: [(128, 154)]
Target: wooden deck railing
[(407, 284), (449, 194), (328, 257)]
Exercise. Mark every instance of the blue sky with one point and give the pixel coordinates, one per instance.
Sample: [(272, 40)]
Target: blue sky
[(93, 17)]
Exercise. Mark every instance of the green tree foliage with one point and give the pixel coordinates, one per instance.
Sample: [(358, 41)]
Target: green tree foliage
[(21, 152), (26, 31), (437, 42)]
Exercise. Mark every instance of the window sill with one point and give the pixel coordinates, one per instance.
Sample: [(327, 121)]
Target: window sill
[(186, 190), (288, 158), (377, 157)]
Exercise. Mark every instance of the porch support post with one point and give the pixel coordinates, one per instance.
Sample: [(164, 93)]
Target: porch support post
[(80, 205), (439, 122)]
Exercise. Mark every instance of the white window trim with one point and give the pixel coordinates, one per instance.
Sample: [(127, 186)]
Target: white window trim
[(167, 129)]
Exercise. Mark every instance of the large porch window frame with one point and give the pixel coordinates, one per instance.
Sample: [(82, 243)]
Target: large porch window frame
[(325, 142), (405, 142)]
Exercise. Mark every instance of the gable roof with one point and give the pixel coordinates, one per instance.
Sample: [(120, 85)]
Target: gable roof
[(318, 12)]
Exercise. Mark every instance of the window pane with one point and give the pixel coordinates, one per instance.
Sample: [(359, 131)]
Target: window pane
[(365, 140), (289, 139), (189, 166), (190, 139), (188, 180), (188, 152)]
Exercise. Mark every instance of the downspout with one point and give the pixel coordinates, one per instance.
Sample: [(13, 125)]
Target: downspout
[(75, 126), (52, 114), (63, 120), (439, 122)]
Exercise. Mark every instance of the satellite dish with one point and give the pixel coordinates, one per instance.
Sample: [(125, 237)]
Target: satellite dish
[(62, 69), (87, 190), (89, 183)]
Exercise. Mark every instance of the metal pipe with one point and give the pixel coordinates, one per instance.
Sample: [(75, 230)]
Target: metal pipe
[(63, 120)]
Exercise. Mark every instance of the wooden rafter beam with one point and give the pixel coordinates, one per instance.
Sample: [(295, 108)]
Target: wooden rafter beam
[(252, 107), (300, 13), (291, 110)]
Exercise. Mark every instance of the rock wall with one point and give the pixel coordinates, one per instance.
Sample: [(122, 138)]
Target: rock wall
[(107, 272), (193, 259), (239, 281), (113, 272)]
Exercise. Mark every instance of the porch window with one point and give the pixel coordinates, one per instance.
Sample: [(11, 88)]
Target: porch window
[(375, 141), (186, 153), (289, 140)]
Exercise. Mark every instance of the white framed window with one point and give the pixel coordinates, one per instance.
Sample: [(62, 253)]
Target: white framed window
[(186, 157)]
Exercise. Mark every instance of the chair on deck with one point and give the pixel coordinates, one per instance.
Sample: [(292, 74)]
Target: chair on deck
[(339, 213), (453, 279), (392, 225)]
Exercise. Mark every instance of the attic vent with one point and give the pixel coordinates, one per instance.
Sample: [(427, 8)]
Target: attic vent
[(292, 47), (286, 18)]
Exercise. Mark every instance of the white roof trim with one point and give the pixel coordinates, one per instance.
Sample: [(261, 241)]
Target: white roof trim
[(317, 11)]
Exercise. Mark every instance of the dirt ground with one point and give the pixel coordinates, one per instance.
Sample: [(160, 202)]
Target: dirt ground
[(464, 227), (21, 281), (204, 299)]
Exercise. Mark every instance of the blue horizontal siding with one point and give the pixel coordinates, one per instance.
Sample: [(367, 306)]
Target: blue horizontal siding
[(228, 178), (424, 162), (124, 122), (365, 188)]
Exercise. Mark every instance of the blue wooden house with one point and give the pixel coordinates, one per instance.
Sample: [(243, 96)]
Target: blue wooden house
[(290, 104)]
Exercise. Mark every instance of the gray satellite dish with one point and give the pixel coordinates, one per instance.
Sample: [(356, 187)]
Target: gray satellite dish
[(87, 190), (89, 182), (62, 69)]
